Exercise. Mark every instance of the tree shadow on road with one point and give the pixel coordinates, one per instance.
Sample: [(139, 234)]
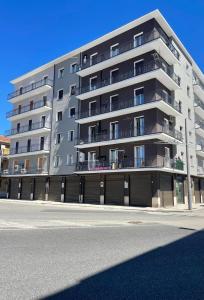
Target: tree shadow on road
[(174, 271)]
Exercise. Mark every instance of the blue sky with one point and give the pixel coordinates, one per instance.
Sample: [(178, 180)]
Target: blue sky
[(35, 32)]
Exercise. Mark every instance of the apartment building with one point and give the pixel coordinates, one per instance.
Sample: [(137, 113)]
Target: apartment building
[(4, 152), (105, 123)]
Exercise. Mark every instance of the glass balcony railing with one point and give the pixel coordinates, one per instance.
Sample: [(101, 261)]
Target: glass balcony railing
[(19, 170), (132, 132), (27, 128), (30, 88), (98, 165), (27, 108), (148, 67), (160, 95), (130, 45), (29, 148)]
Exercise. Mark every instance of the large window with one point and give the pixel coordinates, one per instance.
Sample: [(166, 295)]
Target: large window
[(92, 134), (113, 156), (114, 130), (91, 160), (114, 76), (93, 83), (139, 96), (72, 112), (139, 126), (138, 39), (139, 156), (114, 50)]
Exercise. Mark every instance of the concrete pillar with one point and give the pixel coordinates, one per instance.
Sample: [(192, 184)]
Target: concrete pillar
[(126, 190), (47, 186), (32, 188), (62, 189), (102, 189), (81, 189), (19, 188), (156, 195)]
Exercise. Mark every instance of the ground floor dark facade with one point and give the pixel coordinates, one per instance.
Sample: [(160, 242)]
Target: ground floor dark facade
[(153, 189)]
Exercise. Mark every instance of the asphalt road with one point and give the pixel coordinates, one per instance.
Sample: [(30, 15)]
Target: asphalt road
[(57, 252)]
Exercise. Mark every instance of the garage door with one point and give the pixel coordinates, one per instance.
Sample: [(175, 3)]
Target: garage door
[(14, 188), (196, 190), (92, 189), (26, 188), (114, 190), (166, 188), (72, 189), (39, 193), (140, 190), (55, 189)]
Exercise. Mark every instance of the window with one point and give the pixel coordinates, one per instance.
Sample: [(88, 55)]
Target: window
[(92, 108), (167, 160), (138, 39), (16, 147), (73, 68), (188, 91), (189, 113), (92, 134), (91, 160), (114, 50), (70, 135), (57, 161), (60, 94), (139, 126), (180, 106), (114, 75), (93, 83), (93, 59), (139, 156), (166, 125), (58, 138), (61, 73), (70, 159), (21, 90), (72, 112), (18, 127), (114, 102), (114, 130), (113, 156), (59, 116), (138, 67), (139, 96), (28, 145), (72, 89)]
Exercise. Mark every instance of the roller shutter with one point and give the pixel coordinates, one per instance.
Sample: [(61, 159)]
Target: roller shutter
[(39, 192), (166, 189), (72, 189), (114, 190), (14, 188), (92, 189), (197, 190), (140, 190), (55, 189), (26, 188)]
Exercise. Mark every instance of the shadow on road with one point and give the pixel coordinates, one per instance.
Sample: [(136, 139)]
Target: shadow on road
[(174, 271)]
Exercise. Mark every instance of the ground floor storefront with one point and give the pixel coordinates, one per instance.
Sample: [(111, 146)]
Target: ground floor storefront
[(145, 189)]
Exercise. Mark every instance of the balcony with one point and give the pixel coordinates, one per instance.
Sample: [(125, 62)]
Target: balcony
[(28, 130), (31, 90), (20, 171), (132, 135), (153, 40), (129, 165), (30, 150), (28, 110), (199, 126), (199, 90), (200, 170), (199, 108), (161, 101), (153, 70), (200, 150)]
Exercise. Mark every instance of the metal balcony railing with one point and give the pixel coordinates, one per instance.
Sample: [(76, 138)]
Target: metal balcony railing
[(31, 87), (98, 165), (29, 148), (128, 133), (130, 45), (19, 170), (27, 108), (27, 128), (159, 96), (199, 103), (148, 67)]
